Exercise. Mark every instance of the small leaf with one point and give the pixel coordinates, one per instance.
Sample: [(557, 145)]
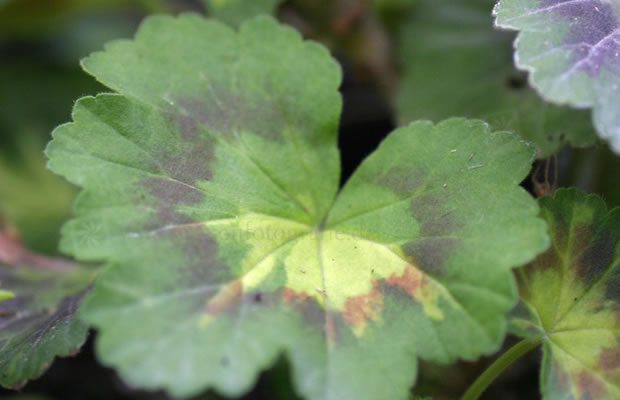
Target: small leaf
[(456, 64), (37, 322), (571, 298), (572, 50), (212, 193), (234, 12)]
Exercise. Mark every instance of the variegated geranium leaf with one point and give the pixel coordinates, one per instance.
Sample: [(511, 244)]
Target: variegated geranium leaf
[(572, 50), (211, 189), (571, 299), (457, 64), (38, 302)]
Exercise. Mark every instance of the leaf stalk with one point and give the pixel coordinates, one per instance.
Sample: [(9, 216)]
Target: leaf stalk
[(498, 366)]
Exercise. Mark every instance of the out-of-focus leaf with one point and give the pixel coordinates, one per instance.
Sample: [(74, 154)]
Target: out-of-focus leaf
[(25, 18), (572, 50), (456, 64), (393, 12), (234, 12), (570, 298), (37, 323)]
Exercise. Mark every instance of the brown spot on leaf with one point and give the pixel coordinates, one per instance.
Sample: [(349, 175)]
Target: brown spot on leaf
[(290, 295), (359, 309), (227, 298), (410, 280)]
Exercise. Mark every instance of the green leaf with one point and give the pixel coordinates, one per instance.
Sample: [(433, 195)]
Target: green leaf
[(211, 191), (5, 294), (572, 51), (457, 64), (570, 298), (37, 323), (234, 12)]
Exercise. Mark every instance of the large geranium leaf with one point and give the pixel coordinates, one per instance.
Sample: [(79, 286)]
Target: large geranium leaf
[(571, 298), (39, 298), (572, 49), (234, 12), (208, 184), (457, 64)]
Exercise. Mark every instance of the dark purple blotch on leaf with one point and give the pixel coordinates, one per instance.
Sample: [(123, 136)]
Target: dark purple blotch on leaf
[(190, 161), (595, 259), (594, 32), (200, 251), (224, 112), (36, 325), (401, 180), (612, 287), (432, 212), (169, 195), (430, 254), (599, 256)]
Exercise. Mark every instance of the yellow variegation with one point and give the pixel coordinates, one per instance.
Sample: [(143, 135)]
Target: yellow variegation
[(570, 299)]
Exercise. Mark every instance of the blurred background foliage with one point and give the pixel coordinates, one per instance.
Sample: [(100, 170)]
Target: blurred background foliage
[(42, 41)]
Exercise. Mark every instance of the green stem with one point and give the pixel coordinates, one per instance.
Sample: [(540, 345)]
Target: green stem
[(505, 360)]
